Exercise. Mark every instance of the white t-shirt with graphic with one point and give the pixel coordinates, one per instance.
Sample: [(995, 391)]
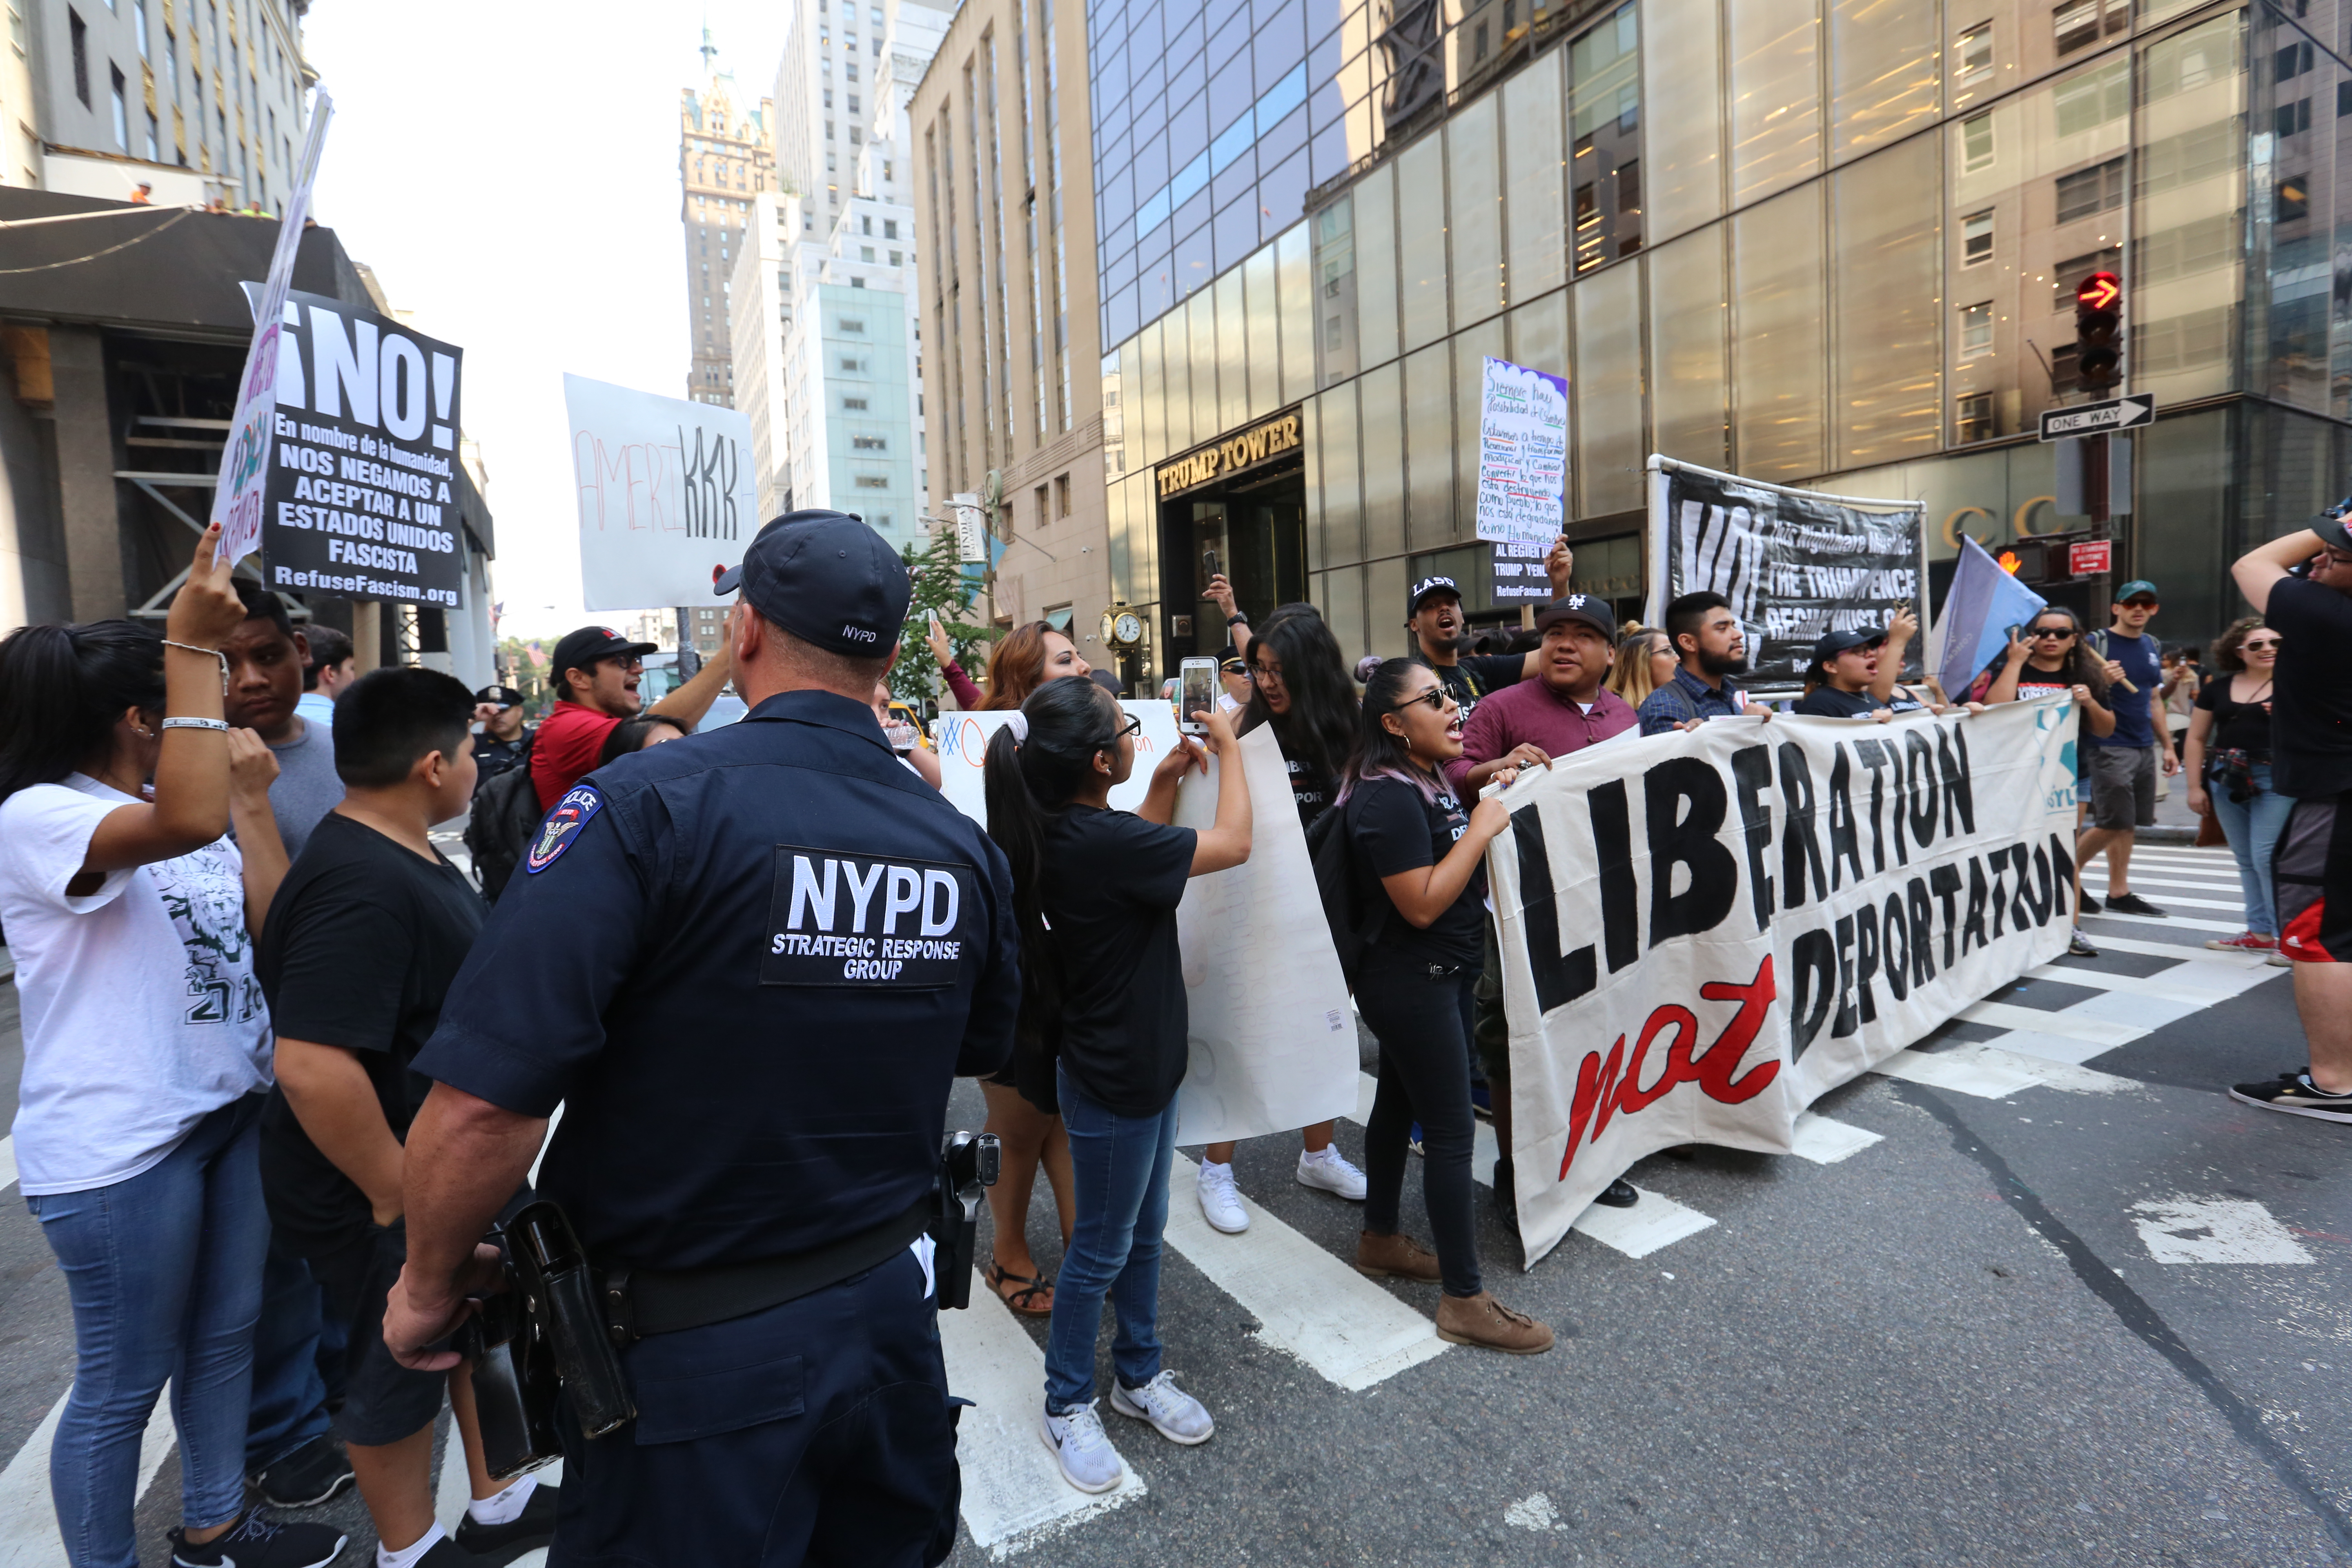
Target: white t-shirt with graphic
[(141, 1013)]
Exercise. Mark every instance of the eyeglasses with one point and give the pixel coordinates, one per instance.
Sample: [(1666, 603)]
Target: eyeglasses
[(1434, 697), (2038, 633), (1133, 726)]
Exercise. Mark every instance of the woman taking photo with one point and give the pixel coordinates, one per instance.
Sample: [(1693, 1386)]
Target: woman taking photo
[(2228, 760), (2050, 660), (1414, 843), (1019, 1114), (1298, 685), (1102, 998), (147, 1050)]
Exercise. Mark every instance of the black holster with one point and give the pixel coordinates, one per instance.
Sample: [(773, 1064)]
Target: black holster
[(968, 1163), (544, 1333)]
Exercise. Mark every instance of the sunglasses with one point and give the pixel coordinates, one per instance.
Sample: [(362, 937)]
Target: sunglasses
[(2265, 642), (1434, 697), (1235, 667), (2038, 633)]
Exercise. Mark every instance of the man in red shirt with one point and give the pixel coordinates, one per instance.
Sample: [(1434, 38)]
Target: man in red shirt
[(595, 677), (1564, 708)]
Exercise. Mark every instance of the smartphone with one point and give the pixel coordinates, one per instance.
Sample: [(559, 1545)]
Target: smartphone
[(1209, 566), (1196, 693)]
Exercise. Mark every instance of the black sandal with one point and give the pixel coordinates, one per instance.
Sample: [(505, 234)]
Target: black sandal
[(1031, 1285)]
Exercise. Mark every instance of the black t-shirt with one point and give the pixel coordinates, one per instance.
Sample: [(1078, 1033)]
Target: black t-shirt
[(2311, 732), (1111, 887), (1826, 701), (361, 944), (1476, 676), (1395, 828), (2237, 726)]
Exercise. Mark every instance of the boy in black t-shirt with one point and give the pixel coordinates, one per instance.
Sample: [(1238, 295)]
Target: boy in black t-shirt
[(365, 934)]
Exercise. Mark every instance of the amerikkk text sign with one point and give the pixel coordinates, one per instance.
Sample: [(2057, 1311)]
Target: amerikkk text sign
[(1704, 931), (362, 500)]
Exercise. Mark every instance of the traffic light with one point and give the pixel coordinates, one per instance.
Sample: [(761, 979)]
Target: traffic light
[(2098, 333)]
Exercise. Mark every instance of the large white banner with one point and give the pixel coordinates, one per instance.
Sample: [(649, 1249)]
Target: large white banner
[(667, 494), (1273, 1038), (1704, 931)]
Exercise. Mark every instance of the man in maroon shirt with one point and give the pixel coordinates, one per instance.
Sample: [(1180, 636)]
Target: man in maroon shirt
[(595, 679), (1565, 709)]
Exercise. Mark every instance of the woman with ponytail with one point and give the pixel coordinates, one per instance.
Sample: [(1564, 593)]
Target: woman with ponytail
[(1414, 842), (1299, 686), (1102, 996), (132, 918)]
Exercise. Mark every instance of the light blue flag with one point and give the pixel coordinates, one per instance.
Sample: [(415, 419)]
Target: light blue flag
[(1980, 607)]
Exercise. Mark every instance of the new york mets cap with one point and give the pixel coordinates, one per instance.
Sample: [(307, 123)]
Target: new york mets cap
[(826, 578)]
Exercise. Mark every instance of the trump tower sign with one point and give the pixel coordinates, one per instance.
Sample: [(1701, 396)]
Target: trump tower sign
[(1703, 931)]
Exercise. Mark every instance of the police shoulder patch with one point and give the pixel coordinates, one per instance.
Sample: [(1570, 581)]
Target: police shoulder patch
[(561, 827)]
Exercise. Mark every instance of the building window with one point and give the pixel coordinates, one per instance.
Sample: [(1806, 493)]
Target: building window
[(873, 482), (889, 228), (80, 31), (154, 141), (870, 443), (2289, 118), (1976, 238), (122, 111), (828, 98), (1976, 142), (2293, 198), (856, 404), (852, 103), (2087, 192), (849, 363), (1972, 418), (1976, 330), (864, 253), (2080, 22), (1973, 50), (2291, 61), (1043, 515), (139, 23), (852, 323), (895, 258), (1062, 496)]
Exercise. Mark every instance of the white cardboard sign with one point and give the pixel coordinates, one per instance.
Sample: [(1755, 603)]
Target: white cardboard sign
[(667, 494)]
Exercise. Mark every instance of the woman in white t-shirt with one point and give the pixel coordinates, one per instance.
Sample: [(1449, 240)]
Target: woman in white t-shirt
[(147, 1045)]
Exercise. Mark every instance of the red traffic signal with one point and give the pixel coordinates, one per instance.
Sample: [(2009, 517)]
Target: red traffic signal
[(2098, 333)]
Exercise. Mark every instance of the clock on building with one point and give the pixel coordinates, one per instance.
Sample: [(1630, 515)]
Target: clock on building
[(1122, 628)]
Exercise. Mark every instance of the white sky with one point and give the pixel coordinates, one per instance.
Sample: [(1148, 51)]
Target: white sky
[(510, 171)]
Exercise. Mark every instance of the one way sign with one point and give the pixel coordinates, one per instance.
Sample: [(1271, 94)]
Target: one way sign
[(2095, 419)]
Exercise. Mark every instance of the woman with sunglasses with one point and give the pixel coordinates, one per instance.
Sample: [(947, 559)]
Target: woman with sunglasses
[(1301, 686), (2228, 759), (1414, 843), (1102, 998), (2050, 660)]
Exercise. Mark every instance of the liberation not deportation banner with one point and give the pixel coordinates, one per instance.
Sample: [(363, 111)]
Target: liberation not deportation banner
[(1271, 1036), (1793, 564), (361, 499), (1704, 931), (667, 494)]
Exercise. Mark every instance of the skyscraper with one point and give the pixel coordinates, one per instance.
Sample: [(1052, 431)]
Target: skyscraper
[(726, 157)]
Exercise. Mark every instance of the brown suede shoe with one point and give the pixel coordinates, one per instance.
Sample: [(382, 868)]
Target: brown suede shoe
[(1394, 1258), (1483, 1322)]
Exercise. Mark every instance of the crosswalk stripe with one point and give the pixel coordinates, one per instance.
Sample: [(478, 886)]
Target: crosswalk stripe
[(28, 1517), (1993, 1072), (2163, 986), (1825, 1141), (2199, 953), (2174, 900), (7, 1162), (2178, 923), (2066, 1023), (1307, 1302), (1011, 1485)]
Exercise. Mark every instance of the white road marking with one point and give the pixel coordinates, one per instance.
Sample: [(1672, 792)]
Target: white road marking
[(1993, 1073), (1014, 1492), (2178, 923), (1308, 1303), (29, 1518), (1825, 1141), (2067, 1023), (2214, 1230), (7, 1162), (2197, 990), (1533, 1513), (1656, 1221), (2197, 953), (2176, 901)]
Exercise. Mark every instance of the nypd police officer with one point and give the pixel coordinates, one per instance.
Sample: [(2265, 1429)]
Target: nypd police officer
[(747, 965)]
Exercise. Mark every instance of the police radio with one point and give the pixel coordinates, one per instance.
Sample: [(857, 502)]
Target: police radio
[(968, 1163)]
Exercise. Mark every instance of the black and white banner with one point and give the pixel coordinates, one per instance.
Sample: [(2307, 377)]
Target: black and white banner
[(361, 500), (1704, 931), (1793, 564)]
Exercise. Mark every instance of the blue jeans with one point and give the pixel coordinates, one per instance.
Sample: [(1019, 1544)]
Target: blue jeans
[(2253, 829), (1120, 1165), (165, 1271)]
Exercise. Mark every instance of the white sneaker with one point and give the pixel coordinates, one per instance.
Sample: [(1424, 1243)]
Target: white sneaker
[(1083, 1448), (1176, 1415), (1220, 1201), (1328, 1170)]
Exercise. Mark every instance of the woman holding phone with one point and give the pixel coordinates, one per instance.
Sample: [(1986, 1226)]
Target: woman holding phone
[(2048, 658)]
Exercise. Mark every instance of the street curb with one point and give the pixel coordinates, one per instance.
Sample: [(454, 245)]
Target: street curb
[(2166, 833)]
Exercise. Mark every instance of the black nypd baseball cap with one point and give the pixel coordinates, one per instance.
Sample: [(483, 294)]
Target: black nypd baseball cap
[(1428, 587), (826, 578), (583, 648), (501, 696), (1590, 609)]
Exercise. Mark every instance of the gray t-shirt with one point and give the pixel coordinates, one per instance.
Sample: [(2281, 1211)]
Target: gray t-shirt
[(306, 788)]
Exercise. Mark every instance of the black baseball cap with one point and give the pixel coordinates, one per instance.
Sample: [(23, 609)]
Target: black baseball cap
[(826, 578), (1426, 587), (504, 696), (1586, 608), (1835, 642), (583, 648), (2334, 526)]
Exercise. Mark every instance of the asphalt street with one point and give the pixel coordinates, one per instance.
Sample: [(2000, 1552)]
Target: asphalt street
[(2041, 1294)]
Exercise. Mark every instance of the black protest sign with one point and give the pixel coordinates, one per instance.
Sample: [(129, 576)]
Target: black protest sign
[(1792, 563), (362, 500)]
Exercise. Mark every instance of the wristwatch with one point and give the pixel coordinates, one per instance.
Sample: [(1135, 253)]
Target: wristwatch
[(1237, 620)]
